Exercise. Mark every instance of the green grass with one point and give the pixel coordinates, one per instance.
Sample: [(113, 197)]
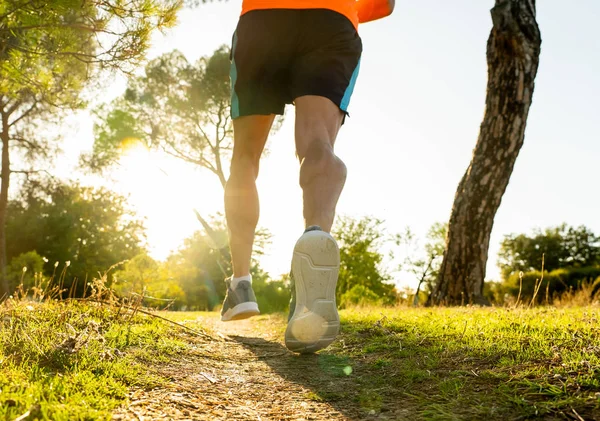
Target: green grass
[(68, 361), (72, 360), (471, 363)]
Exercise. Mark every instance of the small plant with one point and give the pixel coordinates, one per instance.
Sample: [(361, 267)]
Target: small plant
[(537, 284)]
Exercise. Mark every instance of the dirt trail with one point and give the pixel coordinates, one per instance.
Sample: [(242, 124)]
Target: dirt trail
[(248, 374)]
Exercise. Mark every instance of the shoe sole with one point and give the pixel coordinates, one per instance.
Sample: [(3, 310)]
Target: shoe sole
[(241, 311), (315, 267)]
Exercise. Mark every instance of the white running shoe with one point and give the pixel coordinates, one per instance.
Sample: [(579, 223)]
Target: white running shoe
[(314, 322)]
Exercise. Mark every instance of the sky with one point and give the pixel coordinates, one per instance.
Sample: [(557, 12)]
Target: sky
[(415, 117)]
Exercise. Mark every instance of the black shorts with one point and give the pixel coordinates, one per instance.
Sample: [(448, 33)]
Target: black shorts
[(278, 55)]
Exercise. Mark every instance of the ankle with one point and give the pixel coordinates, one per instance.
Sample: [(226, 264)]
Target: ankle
[(237, 279), (312, 228)]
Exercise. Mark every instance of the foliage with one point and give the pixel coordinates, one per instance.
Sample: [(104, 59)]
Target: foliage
[(23, 269), (49, 50), (273, 296), (200, 268), (496, 293), (562, 246), (556, 282), (359, 295), (136, 275), (143, 278), (360, 242), (92, 228), (61, 41)]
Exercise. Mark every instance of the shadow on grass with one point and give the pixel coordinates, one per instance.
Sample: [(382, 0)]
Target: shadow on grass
[(389, 373), (453, 364), (337, 380)]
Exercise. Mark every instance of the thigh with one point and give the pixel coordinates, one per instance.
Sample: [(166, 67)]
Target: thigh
[(250, 134), (318, 120), (328, 60)]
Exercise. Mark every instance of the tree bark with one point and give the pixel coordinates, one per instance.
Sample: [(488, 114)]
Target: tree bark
[(5, 174), (513, 51)]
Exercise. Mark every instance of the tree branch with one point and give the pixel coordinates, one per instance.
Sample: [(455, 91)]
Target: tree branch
[(29, 171), (13, 107), (29, 143), (10, 12), (203, 162), (217, 149), (199, 126), (24, 114)]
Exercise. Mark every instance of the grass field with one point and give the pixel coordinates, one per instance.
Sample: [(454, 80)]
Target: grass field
[(65, 361), (462, 363), (71, 360)]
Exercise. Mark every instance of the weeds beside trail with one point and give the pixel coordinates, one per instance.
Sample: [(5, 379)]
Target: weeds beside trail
[(85, 361), (67, 360)]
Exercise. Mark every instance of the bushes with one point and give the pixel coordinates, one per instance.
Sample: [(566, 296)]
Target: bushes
[(272, 296), (22, 269), (359, 295), (557, 282)]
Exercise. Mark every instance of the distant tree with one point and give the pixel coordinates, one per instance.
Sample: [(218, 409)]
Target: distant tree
[(563, 247), (136, 275), (272, 295), (178, 107), (513, 52), (360, 295), (49, 50), (360, 242), (143, 278), (424, 264), (90, 227)]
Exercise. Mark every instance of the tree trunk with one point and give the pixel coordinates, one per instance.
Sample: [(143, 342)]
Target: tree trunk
[(513, 51), (5, 174)]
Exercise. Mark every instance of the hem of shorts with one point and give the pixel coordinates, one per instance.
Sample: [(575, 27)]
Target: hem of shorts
[(268, 6), (332, 98), (256, 113)]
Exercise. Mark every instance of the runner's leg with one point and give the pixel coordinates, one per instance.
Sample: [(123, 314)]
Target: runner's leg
[(241, 196), (261, 52), (313, 321), (323, 80), (322, 173)]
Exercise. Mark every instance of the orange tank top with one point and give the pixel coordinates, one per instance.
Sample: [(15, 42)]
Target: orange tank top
[(345, 7)]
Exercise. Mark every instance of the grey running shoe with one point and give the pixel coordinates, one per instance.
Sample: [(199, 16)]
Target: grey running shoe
[(240, 303), (314, 322)]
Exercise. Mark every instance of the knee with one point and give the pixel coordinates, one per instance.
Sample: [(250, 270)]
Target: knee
[(320, 160), (244, 163)]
